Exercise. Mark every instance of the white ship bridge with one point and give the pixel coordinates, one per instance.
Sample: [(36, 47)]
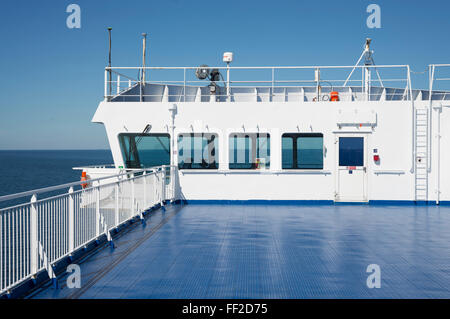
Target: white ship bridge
[(336, 133)]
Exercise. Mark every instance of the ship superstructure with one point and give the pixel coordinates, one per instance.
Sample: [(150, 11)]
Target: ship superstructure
[(332, 133)]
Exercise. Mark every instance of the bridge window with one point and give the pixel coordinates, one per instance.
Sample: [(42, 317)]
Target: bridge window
[(249, 150), (197, 151), (302, 151), (145, 150)]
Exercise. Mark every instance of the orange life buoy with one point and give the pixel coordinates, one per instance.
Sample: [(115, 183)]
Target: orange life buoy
[(334, 96), (84, 178)]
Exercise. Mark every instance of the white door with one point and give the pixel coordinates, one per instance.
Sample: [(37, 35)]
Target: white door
[(351, 168)]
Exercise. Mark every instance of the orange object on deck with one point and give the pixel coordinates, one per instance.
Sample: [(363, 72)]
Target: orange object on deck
[(84, 178), (334, 96)]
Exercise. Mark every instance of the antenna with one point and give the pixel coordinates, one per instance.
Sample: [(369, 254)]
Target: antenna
[(109, 61), (367, 54), (228, 57), (144, 47)]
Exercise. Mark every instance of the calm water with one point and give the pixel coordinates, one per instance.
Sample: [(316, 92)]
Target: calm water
[(26, 170)]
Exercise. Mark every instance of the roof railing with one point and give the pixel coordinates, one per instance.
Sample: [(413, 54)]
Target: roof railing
[(122, 81)]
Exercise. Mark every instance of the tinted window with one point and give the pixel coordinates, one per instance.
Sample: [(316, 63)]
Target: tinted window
[(287, 154), (249, 151), (351, 151), (145, 150), (302, 151), (197, 151)]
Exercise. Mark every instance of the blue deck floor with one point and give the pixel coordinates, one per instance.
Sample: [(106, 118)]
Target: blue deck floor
[(258, 251)]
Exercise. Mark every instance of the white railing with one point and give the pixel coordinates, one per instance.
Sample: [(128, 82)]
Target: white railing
[(119, 80), (439, 80), (37, 234)]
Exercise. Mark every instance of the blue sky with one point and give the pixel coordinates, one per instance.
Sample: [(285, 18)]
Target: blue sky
[(51, 77)]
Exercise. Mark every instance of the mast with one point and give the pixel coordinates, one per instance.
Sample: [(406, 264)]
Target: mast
[(369, 62), (109, 62)]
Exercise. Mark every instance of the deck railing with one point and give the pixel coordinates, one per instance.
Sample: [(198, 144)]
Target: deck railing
[(37, 234), (311, 79)]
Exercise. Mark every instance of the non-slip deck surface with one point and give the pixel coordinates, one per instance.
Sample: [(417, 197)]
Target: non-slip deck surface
[(259, 251)]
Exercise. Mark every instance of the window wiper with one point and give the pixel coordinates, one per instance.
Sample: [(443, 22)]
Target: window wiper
[(133, 146), (146, 129)]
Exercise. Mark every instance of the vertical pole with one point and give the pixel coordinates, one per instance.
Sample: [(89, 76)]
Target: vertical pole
[(430, 124), (144, 187), (71, 221), (132, 195), (144, 47), (317, 78), (142, 84), (97, 209), (34, 248), (118, 84), (367, 82), (106, 85), (273, 84), (116, 207), (163, 190), (438, 195), (184, 84), (228, 82), (109, 61), (413, 115), (362, 80)]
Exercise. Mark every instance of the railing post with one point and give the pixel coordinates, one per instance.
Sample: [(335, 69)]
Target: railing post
[(132, 195), (163, 190), (273, 84), (118, 84), (34, 246), (97, 209), (184, 85), (71, 221), (116, 208), (106, 85), (144, 187)]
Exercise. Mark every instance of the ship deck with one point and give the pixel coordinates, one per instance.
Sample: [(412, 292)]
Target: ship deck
[(272, 251)]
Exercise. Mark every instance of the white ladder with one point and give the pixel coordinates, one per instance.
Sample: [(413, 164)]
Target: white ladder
[(421, 162)]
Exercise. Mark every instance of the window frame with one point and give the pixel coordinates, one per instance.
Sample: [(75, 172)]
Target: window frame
[(137, 159), (216, 151), (294, 137), (255, 151)]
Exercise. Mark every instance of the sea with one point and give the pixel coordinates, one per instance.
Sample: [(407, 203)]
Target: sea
[(25, 170)]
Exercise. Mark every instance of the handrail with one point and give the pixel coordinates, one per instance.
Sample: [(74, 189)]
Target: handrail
[(61, 186), (36, 235), (256, 67)]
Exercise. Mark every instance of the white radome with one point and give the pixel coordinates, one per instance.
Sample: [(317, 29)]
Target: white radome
[(228, 57)]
